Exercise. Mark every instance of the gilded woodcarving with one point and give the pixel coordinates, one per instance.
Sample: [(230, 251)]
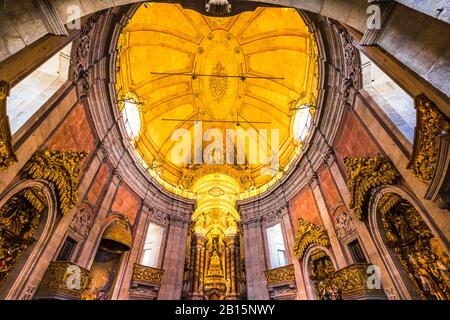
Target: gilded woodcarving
[(57, 280), (19, 221), (61, 169), (280, 275), (363, 175), (431, 125), (307, 234), (419, 252), (147, 274), (7, 156)]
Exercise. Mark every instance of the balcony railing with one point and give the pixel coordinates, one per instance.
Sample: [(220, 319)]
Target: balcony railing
[(353, 281), (147, 275), (64, 280), (280, 275)]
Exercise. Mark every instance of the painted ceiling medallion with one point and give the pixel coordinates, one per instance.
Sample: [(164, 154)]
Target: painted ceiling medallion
[(216, 192)]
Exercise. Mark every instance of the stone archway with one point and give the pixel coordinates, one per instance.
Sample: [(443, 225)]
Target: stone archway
[(309, 275), (413, 252), (24, 277)]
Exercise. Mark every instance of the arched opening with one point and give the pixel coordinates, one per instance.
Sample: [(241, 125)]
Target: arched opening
[(27, 218), (116, 240), (414, 247), (318, 264)]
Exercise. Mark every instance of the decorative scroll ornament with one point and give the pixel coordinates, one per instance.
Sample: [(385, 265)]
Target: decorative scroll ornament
[(363, 175), (61, 169), (147, 274), (280, 275), (19, 221), (431, 125), (307, 234), (7, 156)]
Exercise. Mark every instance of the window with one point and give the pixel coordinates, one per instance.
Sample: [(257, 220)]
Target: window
[(302, 122), (32, 92), (393, 100), (277, 250), (67, 249), (131, 118), (152, 245), (356, 252)]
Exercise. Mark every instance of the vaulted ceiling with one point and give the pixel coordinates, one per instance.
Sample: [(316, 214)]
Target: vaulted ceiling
[(249, 71)]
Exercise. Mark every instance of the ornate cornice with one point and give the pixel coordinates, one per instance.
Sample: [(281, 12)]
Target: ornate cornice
[(62, 170), (365, 174), (307, 234), (431, 126)]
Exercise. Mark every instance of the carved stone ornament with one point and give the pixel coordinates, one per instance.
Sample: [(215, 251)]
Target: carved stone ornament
[(307, 234), (431, 126), (62, 170), (344, 225), (365, 174), (82, 222), (7, 156)]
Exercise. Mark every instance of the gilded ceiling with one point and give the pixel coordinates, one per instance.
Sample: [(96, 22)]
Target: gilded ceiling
[(249, 71)]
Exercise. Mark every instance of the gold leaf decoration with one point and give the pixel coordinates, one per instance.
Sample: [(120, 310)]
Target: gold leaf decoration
[(57, 279), (351, 280), (363, 175), (7, 156), (19, 221), (431, 125), (61, 169), (307, 234), (147, 274), (280, 275)]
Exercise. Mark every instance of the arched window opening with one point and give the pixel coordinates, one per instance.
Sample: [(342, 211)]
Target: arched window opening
[(30, 94), (393, 100)]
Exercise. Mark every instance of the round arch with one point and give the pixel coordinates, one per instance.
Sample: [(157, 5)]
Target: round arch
[(25, 277), (309, 287), (398, 275)]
